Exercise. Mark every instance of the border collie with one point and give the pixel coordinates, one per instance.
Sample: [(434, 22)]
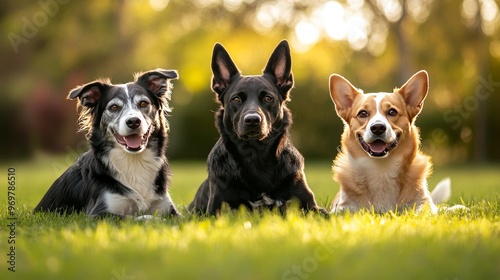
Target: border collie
[(125, 172)]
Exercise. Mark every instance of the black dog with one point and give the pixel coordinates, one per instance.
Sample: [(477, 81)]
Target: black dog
[(125, 172), (253, 163)]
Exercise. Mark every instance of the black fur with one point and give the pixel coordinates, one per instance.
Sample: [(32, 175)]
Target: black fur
[(253, 163), (81, 188)]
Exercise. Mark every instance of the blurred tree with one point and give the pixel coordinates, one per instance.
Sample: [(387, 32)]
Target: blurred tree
[(52, 46), (481, 17)]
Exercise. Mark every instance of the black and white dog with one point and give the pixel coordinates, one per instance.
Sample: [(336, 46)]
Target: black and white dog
[(125, 172), (253, 163)]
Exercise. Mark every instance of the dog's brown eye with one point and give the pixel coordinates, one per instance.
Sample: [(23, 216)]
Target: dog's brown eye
[(392, 112), (236, 99), (114, 108), (144, 104), (363, 114), (268, 98)]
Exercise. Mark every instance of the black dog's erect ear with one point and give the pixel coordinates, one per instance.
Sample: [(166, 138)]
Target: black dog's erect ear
[(223, 69), (89, 94), (157, 81), (280, 66)]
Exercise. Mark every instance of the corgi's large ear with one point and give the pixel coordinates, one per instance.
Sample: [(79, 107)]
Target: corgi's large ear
[(279, 66), (91, 93), (157, 81), (223, 69), (414, 92), (343, 94)]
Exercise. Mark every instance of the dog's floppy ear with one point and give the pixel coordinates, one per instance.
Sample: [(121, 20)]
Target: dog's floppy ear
[(343, 94), (223, 69), (89, 94), (280, 67), (157, 81), (414, 92)]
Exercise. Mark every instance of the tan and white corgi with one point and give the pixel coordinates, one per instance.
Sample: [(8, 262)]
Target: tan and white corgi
[(380, 165)]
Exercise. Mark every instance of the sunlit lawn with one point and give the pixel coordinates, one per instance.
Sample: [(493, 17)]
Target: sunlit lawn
[(462, 245)]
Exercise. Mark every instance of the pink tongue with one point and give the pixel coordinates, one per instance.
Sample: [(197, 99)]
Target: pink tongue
[(378, 146), (133, 141)]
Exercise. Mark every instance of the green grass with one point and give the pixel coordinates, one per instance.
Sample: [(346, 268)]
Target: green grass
[(242, 245)]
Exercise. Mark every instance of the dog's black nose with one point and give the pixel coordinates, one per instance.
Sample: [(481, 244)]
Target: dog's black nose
[(252, 119), (133, 123), (378, 128)]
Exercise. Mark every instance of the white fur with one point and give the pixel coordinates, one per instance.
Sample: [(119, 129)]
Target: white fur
[(457, 207), (389, 134), (265, 201), (119, 205), (125, 88), (381, 177), (137, 172), (131, 112), (378, 117), (442, 191)]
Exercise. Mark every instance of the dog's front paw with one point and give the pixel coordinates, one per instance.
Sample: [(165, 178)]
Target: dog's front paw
[(457, 208), (336, 210), (322, 211), (145, 218), (174, 213)]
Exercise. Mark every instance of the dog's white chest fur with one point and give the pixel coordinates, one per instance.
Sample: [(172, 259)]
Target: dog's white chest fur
[(374, 182), (380, 181), (137, 172)]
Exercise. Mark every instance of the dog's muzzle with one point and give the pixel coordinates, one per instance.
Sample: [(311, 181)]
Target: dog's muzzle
[(376, 146), (134, 142), (252, 126)]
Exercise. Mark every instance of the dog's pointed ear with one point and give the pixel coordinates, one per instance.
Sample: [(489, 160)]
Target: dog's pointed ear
[(157, 81), (280, 67), (89, 94), (223, 69), (343, 94), (414, 92)]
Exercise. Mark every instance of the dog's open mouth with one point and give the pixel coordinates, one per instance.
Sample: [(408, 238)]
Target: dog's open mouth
[(378, 148), (133, 142)]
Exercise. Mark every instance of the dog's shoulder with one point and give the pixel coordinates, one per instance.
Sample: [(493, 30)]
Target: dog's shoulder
[(220, 158), (87, 176)]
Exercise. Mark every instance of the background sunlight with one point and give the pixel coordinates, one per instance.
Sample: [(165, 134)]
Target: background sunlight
[(52, 46)]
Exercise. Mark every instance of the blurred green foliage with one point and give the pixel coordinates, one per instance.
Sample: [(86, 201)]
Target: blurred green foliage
[(51, 46)]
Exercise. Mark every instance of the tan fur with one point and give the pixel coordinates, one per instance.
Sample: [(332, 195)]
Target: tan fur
[(396, 181)]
